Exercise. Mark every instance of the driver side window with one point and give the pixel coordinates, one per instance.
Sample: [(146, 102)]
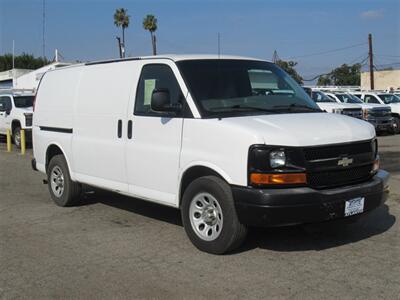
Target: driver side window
[(5, 103), (155, 76), (371, 99)]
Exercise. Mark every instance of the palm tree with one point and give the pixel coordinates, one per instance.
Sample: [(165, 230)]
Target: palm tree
[(121, 19), (150, 24)]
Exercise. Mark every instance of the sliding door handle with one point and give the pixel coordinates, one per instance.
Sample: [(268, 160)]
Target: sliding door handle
[(119, 130), (129, 129)]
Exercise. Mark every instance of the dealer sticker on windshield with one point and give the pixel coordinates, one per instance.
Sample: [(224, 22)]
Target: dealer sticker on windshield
[(354, 206)]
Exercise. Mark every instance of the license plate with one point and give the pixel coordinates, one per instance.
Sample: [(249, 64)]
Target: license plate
[(354, 206)]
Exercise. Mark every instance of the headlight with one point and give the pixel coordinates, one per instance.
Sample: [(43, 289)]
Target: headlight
[(337, 110), (275, 166), (277, 158), (374, 148), (366, 112)]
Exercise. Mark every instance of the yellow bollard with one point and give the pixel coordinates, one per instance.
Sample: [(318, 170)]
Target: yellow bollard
[(9, 144), (23, 142)]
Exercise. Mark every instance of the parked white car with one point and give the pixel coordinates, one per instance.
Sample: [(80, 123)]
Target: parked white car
[(384, 98), (230, 141), (379, 115), (332, 106), (16, 110)]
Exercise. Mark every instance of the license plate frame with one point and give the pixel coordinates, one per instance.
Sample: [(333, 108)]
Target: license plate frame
[(354, 206)]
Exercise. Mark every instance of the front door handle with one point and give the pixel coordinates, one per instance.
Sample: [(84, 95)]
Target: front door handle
[(119, 130), (129, 129)]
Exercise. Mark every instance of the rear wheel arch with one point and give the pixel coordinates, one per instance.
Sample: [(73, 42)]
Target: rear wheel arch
[(15, 124), (53, 150)]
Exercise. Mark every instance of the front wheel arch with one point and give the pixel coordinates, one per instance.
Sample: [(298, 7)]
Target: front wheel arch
[(192, 174)]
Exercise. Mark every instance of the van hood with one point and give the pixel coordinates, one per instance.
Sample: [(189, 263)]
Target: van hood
[(24, 109), (329, 106), (395, 108), (373, 105), (304, 129)]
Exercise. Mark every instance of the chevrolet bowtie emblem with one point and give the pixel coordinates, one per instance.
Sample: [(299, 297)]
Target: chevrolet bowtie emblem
[(345, 161)]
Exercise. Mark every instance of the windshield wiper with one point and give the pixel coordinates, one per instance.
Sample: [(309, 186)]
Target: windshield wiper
[(294, 106), (238, 106)]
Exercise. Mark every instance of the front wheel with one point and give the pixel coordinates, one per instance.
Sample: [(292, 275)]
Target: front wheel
[(209, 216), (396, 128), (16, 135)]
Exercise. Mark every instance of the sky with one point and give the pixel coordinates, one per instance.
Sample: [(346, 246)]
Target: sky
[(301, 30)]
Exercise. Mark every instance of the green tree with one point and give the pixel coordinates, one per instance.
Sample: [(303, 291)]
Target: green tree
[(324, 80), (23, 61), (288, 66), (150, 24), (347, 75), (343, 75), (121, 19)]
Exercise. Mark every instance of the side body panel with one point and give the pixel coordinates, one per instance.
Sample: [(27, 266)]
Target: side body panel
[(55, 109), (218, 145), (101, 104), (153, 152)]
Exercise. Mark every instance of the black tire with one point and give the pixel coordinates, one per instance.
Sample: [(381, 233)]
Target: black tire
[(71, 190), (397, 122), (16, 137), (232, 233)]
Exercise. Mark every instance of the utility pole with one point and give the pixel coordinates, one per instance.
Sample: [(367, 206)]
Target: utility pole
[(13, 55), (275, 57), (219, 45), (43, 29), (371, 62)]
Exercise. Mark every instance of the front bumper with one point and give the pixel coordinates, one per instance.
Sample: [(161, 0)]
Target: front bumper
[(28, 134), (279, 207), (381, 124)]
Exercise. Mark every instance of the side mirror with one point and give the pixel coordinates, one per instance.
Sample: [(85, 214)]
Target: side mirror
[(161, 101)]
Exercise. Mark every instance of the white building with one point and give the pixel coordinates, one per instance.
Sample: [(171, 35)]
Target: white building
[(26, 79), (7, 77), (383, 80)]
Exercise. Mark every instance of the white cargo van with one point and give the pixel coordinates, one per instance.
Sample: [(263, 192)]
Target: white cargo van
[(230, 141)]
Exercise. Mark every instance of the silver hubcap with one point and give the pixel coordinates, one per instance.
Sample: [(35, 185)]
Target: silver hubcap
[(17, 138), (57, 181), (206, 216)]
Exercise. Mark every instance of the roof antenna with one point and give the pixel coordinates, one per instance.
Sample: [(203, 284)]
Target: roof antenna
[(219, 45)]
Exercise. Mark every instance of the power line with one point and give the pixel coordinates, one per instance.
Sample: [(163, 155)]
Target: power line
[(329, 51), (362, 63), (384, 55)]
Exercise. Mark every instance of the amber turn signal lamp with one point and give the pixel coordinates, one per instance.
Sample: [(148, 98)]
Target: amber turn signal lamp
[(376, 166), (288, 178)]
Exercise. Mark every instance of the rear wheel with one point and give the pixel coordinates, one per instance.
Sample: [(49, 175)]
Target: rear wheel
[(63, 190), (209, 216)]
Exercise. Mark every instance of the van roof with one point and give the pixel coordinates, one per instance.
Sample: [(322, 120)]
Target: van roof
[(17, 92), (173, 57)]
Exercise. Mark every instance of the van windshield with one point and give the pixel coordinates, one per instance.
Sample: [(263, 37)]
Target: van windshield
[(318, 96), (241, 87), (23, 101), (389, 98), (347, 98)]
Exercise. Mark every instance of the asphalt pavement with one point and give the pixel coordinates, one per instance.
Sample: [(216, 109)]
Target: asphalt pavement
[(115, 247)]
